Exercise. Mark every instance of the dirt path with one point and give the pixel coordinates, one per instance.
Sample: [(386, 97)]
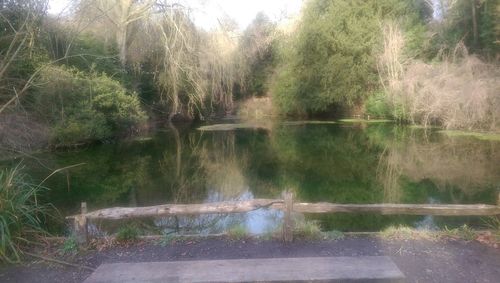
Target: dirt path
[(419, 260)]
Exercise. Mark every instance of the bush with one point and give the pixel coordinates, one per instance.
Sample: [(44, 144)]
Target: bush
[(308, 229), (128, 233), (121, 110), (457, 94), (88, 125), (85, 107), (21, 214), (238, 232), (70, 246), (376, 105), (329, 61)]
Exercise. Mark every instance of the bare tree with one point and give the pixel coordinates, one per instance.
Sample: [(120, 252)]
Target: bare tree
[(120, 14), (19, 23)]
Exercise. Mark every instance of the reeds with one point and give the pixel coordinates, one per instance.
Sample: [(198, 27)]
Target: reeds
[(21, 213)]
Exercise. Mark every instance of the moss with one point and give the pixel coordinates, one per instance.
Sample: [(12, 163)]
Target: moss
[(365, 121), (477, 135), (142, 139), (229, 127), (422, 127), (300, 123)]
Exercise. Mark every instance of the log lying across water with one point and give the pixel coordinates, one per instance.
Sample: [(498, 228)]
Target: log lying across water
[(183, 209), (406, 209), (250, 205)]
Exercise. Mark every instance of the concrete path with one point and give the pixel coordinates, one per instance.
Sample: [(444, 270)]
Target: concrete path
[(311, 269)]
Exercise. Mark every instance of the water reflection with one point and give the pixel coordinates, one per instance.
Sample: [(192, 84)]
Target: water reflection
[(343, 163)]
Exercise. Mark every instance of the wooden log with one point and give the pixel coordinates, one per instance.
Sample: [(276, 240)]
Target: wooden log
[(250, 205), (402, 209), (287, 219), (80, 222), (183, 209)]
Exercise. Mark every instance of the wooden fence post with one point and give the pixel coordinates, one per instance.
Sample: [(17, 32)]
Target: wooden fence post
[(81, 232), (287, 220)]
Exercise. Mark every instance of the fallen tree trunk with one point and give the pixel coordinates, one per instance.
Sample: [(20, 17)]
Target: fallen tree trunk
[(250, 205), (401, 209), (182, 209)]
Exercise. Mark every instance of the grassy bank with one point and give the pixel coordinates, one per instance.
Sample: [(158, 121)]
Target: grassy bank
[(21, 213)]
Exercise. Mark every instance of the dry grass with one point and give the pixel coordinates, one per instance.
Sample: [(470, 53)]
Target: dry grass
[(406, 233), (20, 133), (458, 94), (256, 108), (459, 91)]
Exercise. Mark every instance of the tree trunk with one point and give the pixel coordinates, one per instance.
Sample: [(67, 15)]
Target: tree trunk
[(121, 39), (474, 25)]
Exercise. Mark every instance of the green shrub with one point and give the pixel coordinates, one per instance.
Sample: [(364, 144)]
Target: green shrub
[(121, 110), (86, 126), (85, 107), (308, 229), (166, 240), (70, 246), (333, 235), (128, 233), (328, 62), (463, 232), (21, 214), (376, 105), (238, 232)]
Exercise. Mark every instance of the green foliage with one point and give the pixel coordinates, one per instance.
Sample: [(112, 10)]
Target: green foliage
[(20, 54), (308, 229), (82, 127), (257, 49), (403, 233), (85, 107), (128, 233), (238, 232), (166, 240), (21, 214), (70, 246), (122, 111), (493, 224), (334, 235), (376, 105), (457, 25), (330, 59), (463, 232)]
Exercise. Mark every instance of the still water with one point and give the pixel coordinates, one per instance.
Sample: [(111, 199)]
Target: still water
[(340, 163)]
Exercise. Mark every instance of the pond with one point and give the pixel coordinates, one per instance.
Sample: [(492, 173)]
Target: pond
[(333, 162)]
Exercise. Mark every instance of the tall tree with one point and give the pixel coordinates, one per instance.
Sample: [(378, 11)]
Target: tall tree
[(120, 14)]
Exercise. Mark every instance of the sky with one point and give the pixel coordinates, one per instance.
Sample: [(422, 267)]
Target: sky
[(207, 12)]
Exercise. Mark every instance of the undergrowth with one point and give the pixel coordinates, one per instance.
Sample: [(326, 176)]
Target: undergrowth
[(238, 232), (21, 213), (129, 233)]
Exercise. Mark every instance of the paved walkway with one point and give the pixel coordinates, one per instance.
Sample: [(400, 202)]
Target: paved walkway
[(316, 269)]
